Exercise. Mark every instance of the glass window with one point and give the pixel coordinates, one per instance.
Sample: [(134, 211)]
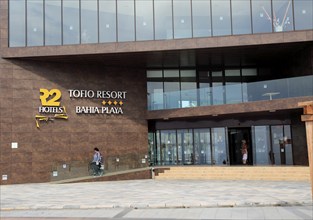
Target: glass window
[(185, 146), (287, 144), (262, 145), (107, 21), (89, 21), (163, 19), (125, 20), (17, 23), (168, 147), (303, 10), (241, 17), (201, 18), (282, 15), (144, 20), (155, 95), (219, 146), (188, 88), (182, 19), (34, 23), (261, 16), (202, 146), (249, 72), (154, 74), (71, 28), (53, 25), (221, 17)]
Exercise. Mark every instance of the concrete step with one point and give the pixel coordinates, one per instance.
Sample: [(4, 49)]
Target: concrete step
[(290, 173)]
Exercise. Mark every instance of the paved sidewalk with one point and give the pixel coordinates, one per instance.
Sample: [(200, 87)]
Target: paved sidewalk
[(178, 197)]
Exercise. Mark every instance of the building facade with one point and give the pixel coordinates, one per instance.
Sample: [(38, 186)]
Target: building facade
[(152, 82)]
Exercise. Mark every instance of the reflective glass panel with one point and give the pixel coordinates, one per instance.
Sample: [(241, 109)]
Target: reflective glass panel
[(182, 18), (185, 146), (89, 21), (261, 16), (155, 95), (171, 95), (303, 11), (34, 23), (241, 16), (277, 133), (53, 25), (144, 20), (221, 17), (188, 88), (152, 149), (125, 20), (233, 92), (262, 145), (288, 145), (107, 21), (219, 146), (168, 147), (17, 23), (282, 15), (71, 28), (163, 19), (201, 18), (202, 145)]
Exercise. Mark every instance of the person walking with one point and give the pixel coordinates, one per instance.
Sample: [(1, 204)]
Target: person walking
[(244, 151), (96, 162)]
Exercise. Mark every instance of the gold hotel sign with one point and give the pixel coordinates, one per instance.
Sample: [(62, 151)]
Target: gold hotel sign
[(112, 102)]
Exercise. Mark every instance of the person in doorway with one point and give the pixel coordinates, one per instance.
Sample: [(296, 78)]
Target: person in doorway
[(96, 162), (244, 151)]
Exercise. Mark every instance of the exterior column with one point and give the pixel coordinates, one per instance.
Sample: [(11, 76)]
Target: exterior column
[(307, 117)]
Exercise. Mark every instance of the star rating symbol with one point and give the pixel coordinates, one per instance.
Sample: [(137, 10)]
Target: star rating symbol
[(115, 102)]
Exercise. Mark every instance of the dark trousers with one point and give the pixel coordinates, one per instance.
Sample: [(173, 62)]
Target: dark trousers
[(95, 168)]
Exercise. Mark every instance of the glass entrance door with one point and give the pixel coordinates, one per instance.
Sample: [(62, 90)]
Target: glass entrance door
[(202, 142), (236, 136), (185, 146), (168, 147), (281, 145)]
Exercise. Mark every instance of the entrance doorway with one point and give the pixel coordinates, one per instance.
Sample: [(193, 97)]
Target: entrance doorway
[(235, 137)]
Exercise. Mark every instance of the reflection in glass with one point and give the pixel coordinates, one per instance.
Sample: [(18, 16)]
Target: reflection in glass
[(185, 146), (303, 12), (261, 16), (288, 145), (17, 23), (152, 149), (241, 17), (107, 21), (221, 17), (202, 145), (188, 88), (53, 32), (219, 146), (34, 23), (89, 21), (282, 15), (144, 20), (201, 18), (155, 95), (182, 19), (233, 92), (71, 28), (168, 147), (125, 20), (163, 19), (262, 145)]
